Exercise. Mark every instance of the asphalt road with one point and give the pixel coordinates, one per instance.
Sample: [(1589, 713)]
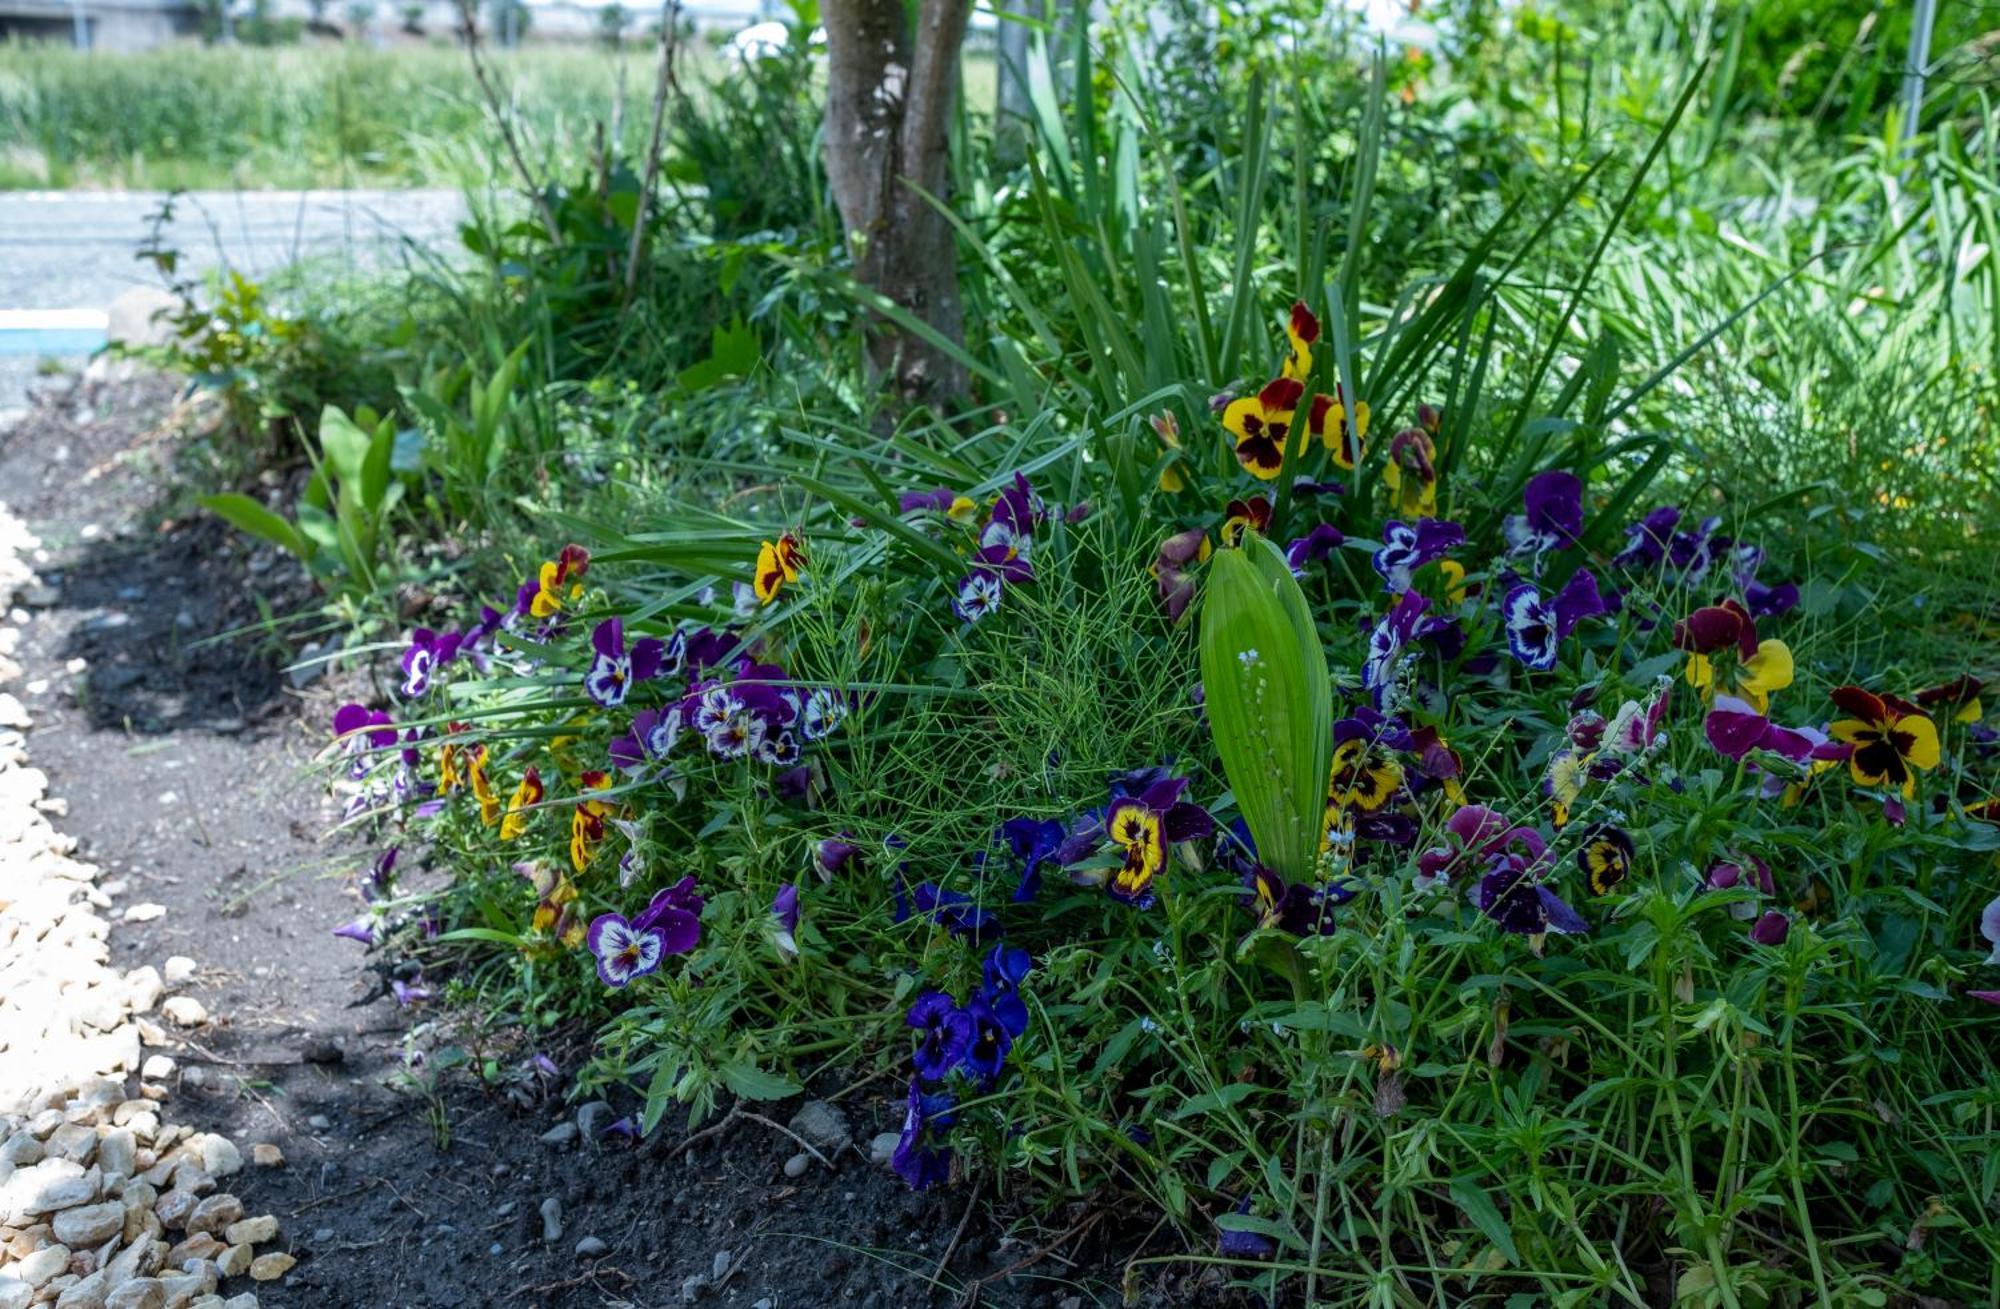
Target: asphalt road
[(75, 250)]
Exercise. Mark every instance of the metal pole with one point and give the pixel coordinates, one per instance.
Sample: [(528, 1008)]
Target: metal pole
[(1917, 65), (1010, 118)]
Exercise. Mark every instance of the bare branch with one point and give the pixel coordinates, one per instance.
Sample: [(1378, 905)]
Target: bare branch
[(663, 81), (469, 20)]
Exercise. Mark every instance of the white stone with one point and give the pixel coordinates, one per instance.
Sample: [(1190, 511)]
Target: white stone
[(145, 912), (178, 969), (184, 1011)]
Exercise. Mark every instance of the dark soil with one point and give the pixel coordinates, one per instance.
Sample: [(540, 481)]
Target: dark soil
[(184, 750)]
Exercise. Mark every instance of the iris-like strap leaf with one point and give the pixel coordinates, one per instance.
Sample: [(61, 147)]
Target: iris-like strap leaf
[(1270, 705)]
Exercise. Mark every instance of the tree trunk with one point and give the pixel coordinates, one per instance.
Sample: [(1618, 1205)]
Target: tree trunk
[(888, 114)]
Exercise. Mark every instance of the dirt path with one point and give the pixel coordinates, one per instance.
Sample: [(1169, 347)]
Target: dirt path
[(184, 754)]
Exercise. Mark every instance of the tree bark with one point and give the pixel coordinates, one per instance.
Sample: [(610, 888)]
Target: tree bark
[(889, 101)]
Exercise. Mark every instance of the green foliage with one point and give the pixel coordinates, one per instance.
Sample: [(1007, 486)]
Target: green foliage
[(1269, 702)]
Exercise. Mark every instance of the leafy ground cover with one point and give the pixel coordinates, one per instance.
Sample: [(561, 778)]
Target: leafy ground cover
[(1420, 726)]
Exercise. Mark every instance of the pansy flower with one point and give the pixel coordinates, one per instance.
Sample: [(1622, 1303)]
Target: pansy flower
[(943, 501), (1762, 667), (1553, 501), (1243, 516), (482, 785), (1568, 772), (1407, 547), (1404, 624), (1293, 908), (586, 824), (1989, 927), (1513, 895), (1605, 856), (419, 662), (1636, 727), (944, 1034), (409, 991), (1144, 827), (821, 712), (1001, 973), (675, 913), (651, 738), (1411, 473), (560, 581), (1772, 927), (1302, 333), (613, 669), (1747, 872), (778, 565), (919, 1159), (1885, 740), (520, 805), (1035, 842), (1960, 695), (1168, 429), (1176, 555), (623, 951), (555, 901), (360, 730), (1474, 834), (979, 593), (1006, 544), (1363, 778), (986, 1057), (1536, 627), (785, 913), (1314, 546), (832, 856), (955, 911), (1262, 424), (1736, 728), (1647, 540)]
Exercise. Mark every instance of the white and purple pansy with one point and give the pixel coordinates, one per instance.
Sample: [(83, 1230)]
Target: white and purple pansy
[(979, 593), (419, 660), (361, 731), (1554, 518), (823, 711), (785, 910), (1989, 927), (653, 735), (613, 669), (1405, 623), (1535, 626), (1407, 547), (623, 950)]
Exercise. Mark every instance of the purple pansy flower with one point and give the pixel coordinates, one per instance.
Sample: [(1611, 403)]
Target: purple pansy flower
[(955, 911), (785, 908), (1405, 623), (986, 1054), (1989, 927), (652, 737), (409, 992), (1735, 728), (945, 1033), (832, 855), (979, 593), (1314, 546), (675, 912), (419, 660), (1536, 627), (1233, 1243), (1034, 841), (1647, 540), (918, 1159), (1771, 928), (1554, 517), (1295, 908), (613, 669), (1002, 971), (1474, 835), (1406, 547), (623, 949), (1513, 895)]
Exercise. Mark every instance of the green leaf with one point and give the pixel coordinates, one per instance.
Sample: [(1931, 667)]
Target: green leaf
[(1469, 1195), (753, 1083), (247, 515), (1270, 703)]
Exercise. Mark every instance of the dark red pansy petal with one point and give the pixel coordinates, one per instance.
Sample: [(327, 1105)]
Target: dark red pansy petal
[(1865, 705), (1281, 395)]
